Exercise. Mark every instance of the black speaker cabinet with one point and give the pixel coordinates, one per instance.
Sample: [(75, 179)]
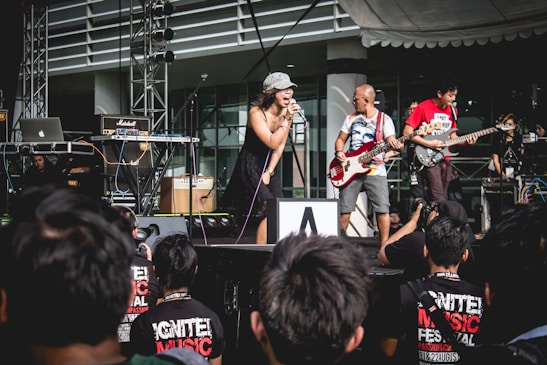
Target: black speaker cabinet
[(227, 282)]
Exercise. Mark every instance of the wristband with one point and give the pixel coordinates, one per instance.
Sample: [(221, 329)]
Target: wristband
[(271, 171), (336, 152)]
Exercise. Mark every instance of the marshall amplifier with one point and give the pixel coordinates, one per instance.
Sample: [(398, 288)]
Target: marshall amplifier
[(125, 124)]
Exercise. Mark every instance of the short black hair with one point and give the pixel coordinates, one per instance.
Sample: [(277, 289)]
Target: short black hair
[(175, 261), (70, 255), (313, 295)]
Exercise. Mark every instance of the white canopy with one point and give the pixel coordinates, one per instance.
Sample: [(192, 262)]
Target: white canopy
[(439, 23)]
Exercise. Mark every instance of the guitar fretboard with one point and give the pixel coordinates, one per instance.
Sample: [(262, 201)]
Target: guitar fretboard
[(384, 148), (467, 137)]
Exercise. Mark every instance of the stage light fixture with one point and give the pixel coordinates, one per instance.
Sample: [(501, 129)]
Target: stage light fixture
[(163, 34), (163, 56), (162, 9)]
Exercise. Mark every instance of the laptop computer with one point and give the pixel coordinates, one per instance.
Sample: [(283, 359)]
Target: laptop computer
[(46, 129)]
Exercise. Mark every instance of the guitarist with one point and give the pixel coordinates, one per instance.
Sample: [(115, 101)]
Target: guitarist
[(366, 125), (440, 108)]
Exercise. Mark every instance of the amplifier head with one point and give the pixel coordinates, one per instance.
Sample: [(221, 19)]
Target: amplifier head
[(112, 124)]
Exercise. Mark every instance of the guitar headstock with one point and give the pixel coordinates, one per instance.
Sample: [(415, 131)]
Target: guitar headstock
[(505, 127), (428, 128)]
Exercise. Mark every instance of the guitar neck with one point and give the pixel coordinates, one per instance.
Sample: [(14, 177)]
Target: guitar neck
[(469, 136), (384, 148)]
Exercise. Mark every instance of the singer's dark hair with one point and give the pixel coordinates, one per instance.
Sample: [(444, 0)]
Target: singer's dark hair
[(266, 99)]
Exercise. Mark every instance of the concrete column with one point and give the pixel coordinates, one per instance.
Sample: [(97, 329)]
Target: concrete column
[(346, 68)]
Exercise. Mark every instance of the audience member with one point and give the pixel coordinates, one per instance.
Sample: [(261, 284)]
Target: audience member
[(394, 220), (69, 259), (410, 334), (539, 129), (312, 300), (404, 249), (178, 320), (513, 263), (146, 290), (41, 172)]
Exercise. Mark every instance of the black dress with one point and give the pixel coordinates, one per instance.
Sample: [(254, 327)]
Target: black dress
[(242, 187)]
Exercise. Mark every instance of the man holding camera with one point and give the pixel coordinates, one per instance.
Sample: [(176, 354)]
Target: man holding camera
[(146, 290), (405, 248)]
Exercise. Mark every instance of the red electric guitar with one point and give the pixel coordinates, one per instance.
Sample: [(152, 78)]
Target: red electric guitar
[(342, 173)]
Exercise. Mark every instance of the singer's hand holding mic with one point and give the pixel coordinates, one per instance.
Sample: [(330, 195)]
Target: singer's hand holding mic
[(295, 108)]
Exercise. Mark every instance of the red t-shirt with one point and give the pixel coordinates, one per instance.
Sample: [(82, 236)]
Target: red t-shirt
[(427, 112)]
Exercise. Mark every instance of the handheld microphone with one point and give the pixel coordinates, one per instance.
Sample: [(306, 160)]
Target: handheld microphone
[(293, 100)]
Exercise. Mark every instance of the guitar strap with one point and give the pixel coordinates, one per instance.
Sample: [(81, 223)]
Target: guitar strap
[(453, 113), (379, 125)]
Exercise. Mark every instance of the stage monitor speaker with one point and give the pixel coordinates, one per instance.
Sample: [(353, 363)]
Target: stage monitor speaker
[(156, 226), (214, 224), (287, 215)]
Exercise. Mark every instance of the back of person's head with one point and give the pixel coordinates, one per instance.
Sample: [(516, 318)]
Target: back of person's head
[(513, 262), (69, 268), (446, 240), (453, 209), (128, 214), (313, 295), (175, 261)]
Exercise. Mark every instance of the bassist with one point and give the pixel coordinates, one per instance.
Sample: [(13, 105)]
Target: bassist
[(438, 109), (366, 125)]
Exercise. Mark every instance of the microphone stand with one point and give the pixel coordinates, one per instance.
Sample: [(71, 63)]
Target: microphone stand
[(189, 163), (503, 141), (190, 99), (500, 158)]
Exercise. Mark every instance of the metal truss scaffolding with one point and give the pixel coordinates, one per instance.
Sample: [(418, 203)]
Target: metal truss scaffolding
[(149, 60), (35, 62)]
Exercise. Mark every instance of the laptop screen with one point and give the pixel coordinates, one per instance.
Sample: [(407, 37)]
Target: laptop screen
[(47, 129)]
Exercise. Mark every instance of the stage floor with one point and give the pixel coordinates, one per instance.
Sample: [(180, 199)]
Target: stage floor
[(370, 245)]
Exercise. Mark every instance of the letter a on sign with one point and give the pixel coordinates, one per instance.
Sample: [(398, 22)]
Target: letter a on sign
[(308, 218)]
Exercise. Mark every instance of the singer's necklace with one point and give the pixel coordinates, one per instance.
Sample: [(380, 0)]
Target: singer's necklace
[(177, 296)]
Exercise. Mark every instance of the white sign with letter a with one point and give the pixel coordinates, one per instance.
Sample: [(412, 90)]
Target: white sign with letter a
[(313, 216)]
